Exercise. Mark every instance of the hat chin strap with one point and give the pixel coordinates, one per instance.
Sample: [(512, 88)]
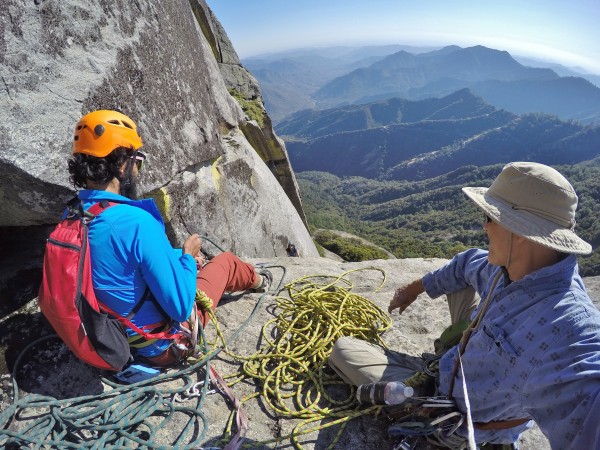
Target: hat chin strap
[(508, 258)]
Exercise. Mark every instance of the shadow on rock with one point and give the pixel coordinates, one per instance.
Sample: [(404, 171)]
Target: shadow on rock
[(47, 367), (362, 432)]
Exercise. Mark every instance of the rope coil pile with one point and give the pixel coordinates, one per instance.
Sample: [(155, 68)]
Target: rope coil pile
[(124, 417), (291, 368)]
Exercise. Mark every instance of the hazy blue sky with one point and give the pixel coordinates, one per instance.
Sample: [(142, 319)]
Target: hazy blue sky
[(565, 31)]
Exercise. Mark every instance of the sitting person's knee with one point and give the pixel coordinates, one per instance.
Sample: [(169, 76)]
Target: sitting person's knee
[(344, 342), (340, 347)]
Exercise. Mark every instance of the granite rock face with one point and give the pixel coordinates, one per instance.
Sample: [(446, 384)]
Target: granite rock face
[(260, 131), (152, 61)]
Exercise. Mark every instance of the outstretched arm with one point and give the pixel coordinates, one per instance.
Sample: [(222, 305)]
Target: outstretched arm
[(406, 295), (469, 268)]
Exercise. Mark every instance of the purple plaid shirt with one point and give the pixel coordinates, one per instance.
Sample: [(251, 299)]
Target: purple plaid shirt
[(535, 355)]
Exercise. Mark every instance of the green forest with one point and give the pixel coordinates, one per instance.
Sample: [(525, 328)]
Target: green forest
[(432, 218)]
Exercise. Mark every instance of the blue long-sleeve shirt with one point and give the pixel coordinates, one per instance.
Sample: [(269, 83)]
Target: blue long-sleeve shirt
[(536, 353), (129, 251)]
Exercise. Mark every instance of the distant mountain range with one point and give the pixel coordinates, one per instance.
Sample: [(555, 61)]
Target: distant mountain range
[(382, 142), (288, 79), (320, 80), (414, 140), (559, 69)]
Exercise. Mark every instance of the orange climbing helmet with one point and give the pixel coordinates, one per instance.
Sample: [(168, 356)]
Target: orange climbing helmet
[(98, 133)]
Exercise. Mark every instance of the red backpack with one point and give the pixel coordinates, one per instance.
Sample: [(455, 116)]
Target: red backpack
[(68, 301)]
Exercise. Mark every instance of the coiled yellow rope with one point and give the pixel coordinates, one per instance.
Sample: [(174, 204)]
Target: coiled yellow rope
[(291, 368)]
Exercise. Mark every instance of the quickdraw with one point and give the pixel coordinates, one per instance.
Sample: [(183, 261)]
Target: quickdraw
[(433, 419)]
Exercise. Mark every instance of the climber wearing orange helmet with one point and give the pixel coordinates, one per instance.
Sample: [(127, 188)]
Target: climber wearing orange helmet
[(131, 257), (103, 142)]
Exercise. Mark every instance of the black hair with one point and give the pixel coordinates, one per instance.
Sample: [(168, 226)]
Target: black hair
[(84, 167)]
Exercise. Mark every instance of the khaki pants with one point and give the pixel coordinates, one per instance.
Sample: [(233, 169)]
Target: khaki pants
[(359, 362)]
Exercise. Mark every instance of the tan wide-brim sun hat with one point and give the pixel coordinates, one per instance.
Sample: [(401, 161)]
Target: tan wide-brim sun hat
[(534, 201)]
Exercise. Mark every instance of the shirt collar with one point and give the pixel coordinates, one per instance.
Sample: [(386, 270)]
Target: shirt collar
[(565, 265)]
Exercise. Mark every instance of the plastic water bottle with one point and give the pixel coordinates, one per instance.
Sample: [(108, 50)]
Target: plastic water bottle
[(384, 393)]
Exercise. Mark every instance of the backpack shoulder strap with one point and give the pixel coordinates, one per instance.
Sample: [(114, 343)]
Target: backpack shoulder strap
[(99, 207), (75, 209), (93, 211)]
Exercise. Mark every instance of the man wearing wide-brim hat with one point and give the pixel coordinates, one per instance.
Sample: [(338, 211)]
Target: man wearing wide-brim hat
[(532, 349)]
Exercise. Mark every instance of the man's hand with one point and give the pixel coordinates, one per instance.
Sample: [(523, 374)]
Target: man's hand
[(192, 245), (406, 295)]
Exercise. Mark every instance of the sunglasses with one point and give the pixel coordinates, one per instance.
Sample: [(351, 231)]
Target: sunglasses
[(139, 159)]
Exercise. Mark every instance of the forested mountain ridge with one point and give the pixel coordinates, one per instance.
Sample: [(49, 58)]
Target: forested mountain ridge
[(429, 148), (432, 218), (371, 152), (309, 124), (531, 137)]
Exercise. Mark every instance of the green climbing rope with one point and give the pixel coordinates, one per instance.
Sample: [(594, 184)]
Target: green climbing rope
[(123, 417)]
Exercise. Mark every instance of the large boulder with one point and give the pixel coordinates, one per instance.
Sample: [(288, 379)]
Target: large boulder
[(213, 169), (152, 61)]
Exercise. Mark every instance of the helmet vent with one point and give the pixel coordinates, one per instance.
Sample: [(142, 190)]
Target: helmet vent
[(122, 123)]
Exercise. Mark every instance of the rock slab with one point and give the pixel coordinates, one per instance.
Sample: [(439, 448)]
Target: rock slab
[(412, 333)]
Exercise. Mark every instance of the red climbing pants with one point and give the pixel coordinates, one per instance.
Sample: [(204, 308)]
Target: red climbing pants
[(225, 272)]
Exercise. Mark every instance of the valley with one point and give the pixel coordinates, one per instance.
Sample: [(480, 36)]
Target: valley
[(381, 145)]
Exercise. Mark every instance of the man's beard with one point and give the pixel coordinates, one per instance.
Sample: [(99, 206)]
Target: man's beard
[(128, 186)]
